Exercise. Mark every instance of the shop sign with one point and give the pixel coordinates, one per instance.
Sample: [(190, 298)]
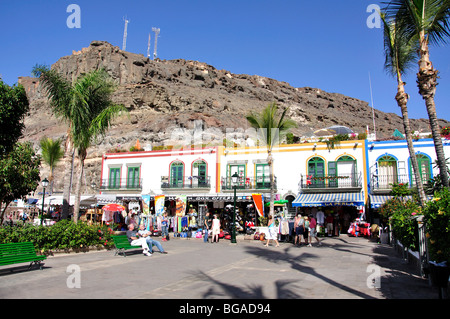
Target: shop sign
[(210, 198)]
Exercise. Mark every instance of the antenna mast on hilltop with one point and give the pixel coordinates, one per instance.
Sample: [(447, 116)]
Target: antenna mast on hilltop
[(124, 45), (148, 47), (156, 30), (373, 111)]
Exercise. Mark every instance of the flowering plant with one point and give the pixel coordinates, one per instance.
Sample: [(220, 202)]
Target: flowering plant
[(437, 220), (401, 214), (445, 132)]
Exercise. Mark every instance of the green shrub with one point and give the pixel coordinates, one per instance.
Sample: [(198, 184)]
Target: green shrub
[(404, 226), (437, 221), (63, 235)]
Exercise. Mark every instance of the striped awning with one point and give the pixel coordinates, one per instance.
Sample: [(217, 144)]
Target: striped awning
[(376, 201), (329, 199)]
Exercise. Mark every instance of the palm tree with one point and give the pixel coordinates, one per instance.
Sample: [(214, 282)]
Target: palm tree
[(51, 154), (428, 20), (271, 128), (77, 104), (59, 92), (97, 111), (400, 55)]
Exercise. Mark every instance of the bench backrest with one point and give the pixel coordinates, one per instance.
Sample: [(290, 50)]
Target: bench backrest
[(120, 240), (17, 251)]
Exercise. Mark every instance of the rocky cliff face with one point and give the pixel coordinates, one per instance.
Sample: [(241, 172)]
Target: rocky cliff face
[(164, 95)]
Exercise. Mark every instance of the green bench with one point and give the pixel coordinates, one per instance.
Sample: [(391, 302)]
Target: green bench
[(15, 253), (121, 242)]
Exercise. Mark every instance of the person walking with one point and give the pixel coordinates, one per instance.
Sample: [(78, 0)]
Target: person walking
[(329, 224), (208, 224), (313, 231), (299, 229), (272, 232), (215, 229), (164, 226), (306, 232)]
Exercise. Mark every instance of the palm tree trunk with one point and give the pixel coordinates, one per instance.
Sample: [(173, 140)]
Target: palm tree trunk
[(427, 82), (76, 206), (272, 186), (402, 100), (67, 180)]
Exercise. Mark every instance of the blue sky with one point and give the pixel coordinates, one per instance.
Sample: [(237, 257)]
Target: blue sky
[(325, 44)]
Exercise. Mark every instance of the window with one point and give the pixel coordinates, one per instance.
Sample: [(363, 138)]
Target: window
[(114, 177), (133, 177), (236, 168), (316, 172), (199, 173), (176, 174), (346, 171), (262, 176), (387, 171), (342, 172), (424, 168)]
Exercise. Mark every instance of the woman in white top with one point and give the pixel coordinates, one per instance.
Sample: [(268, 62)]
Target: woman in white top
[(215, 229), (272, 232)]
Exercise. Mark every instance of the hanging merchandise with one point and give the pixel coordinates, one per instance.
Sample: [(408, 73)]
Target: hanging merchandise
[(181, 205), (258, 199), (146, 204), (159, 204)]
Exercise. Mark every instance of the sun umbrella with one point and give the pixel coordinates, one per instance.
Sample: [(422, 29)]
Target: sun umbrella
[(333, 130), (324, 132), (339, 129), (114, 208)]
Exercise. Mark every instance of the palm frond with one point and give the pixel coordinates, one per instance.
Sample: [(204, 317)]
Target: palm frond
[(270, 126), (400, 49), (57, 88), (427, 17)]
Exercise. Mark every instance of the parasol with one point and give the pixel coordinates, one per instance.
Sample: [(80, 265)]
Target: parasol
[(114, 208), (333, 130), (324, 132)]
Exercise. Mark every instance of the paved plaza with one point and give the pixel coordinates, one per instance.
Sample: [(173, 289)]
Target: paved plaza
[(342, 268)]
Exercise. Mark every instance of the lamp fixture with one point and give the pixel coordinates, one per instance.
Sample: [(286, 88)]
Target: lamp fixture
[(45, 182)]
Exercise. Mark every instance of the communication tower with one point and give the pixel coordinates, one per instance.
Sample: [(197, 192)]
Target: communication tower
[(124, 45), (148, 46), (155, 50)]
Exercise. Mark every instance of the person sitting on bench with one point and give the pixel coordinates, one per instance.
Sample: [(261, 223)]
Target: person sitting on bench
[(135, 239), (150, 242)]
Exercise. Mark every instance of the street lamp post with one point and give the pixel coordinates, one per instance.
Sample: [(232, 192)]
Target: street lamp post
[(234, 180), (44, 185)]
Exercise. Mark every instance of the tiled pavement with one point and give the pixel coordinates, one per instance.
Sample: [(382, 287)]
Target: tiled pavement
[(342, 268)]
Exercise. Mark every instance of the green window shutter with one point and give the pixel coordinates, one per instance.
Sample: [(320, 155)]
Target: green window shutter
[(114, 177)]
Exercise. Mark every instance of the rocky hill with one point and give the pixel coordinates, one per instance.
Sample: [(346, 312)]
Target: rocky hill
[(163, 95)]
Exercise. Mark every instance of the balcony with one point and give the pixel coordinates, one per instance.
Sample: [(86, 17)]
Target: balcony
[(190, 182), (331, 183), (121, 184), (383, 183), (249, 183)]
